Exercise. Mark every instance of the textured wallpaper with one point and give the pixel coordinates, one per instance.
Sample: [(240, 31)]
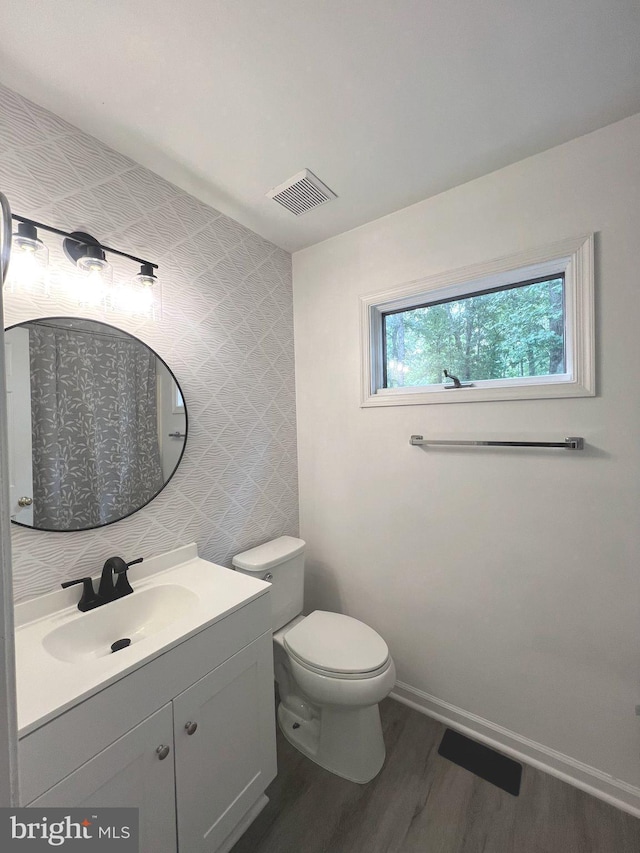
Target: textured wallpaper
[(226, 332)]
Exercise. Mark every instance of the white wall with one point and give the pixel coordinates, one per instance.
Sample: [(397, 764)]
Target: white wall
[(506, 582)]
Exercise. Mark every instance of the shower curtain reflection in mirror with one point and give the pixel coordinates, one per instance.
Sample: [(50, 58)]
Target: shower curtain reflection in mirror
[(94, 415)]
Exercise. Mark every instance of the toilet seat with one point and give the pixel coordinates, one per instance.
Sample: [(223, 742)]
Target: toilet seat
[(331, 673), (337, 646)]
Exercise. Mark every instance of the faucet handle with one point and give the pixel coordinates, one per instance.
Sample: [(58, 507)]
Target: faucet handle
[(89, 598), (122, 585)]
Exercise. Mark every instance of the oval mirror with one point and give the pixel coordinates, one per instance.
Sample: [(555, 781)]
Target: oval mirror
[(97, 423)]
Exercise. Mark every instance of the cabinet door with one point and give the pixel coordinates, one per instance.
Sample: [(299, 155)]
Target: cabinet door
[(224, 766), (129, 773)]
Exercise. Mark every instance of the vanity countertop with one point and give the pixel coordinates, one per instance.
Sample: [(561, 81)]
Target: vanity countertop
[(193, 594)]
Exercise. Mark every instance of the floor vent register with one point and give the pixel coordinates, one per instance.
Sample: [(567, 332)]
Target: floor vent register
[(485, 762)]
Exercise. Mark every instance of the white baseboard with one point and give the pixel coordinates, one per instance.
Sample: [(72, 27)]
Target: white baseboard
[(620, 794)]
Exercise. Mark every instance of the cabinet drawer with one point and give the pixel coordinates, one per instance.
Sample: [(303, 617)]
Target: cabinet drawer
[(61, 746)]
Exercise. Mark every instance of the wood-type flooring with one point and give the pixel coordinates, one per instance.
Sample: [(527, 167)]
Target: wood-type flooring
[(422, 803)]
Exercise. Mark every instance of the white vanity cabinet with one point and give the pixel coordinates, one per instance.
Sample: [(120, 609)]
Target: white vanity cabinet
[(188, 738)]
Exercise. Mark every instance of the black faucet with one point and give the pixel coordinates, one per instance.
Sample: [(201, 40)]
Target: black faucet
[(108, 590), (89, 598)]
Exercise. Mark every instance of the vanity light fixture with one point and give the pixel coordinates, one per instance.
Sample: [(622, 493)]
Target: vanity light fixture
[(146, 277), (30, 260), (93, 286), (96, 272), (137, 297)]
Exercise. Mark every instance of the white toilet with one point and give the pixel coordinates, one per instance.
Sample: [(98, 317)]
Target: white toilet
[(331, 670)]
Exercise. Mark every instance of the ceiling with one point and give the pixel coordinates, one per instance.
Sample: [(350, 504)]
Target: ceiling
[(387, 101)]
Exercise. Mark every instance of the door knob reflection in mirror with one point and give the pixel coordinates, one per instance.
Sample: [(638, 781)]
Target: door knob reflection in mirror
[(25, 501)]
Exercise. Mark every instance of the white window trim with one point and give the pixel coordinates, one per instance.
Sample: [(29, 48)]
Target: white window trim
[(573, 257)]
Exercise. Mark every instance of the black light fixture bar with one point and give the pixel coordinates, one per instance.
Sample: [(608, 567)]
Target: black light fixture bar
[(70, 234)]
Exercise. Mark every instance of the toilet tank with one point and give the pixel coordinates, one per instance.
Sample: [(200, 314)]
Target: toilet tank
[(280, 561)]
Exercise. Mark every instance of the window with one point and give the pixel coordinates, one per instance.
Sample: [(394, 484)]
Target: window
[(507, 332), (520, 327)]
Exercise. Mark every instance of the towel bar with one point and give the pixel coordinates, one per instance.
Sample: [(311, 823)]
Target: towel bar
[(572, 443)]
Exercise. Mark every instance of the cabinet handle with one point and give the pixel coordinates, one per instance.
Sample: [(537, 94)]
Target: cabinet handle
[(163, 751), (191, 728)]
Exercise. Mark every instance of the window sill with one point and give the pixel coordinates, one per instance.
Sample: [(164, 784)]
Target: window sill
[(479, 393)]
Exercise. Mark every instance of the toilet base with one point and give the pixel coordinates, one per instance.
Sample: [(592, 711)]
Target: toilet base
[(346, 741)]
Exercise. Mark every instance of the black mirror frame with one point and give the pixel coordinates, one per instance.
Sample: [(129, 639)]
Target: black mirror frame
[(186, 424)]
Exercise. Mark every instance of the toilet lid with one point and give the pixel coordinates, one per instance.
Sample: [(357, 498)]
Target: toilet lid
[(336, 643)]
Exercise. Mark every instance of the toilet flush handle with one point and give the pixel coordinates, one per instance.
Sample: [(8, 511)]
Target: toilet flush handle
[(267, 577)]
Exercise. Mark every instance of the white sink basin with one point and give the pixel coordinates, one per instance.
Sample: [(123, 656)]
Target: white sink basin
[(134, 617), (63, 656)]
